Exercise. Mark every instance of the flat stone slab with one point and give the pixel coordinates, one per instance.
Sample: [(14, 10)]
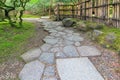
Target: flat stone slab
[(47, 58), (70, 51), (49, 71), (77, 69), (31, 55), (51, 41), (45, 47), (60, 55), (32, 71), (75, 38), (49, 78), (88, 51)]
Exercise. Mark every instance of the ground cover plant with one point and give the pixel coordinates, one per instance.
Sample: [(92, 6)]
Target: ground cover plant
[(12, 39)]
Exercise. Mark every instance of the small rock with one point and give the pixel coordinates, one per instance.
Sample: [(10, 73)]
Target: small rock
[(81, 26), (110, 37), (68, 22), (97, 33)]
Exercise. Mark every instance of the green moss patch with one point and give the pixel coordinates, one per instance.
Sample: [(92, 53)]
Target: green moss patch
[(12, 39)]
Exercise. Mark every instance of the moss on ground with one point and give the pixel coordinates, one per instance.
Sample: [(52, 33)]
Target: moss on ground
[(12, 39), (116, 44), (102, 38)]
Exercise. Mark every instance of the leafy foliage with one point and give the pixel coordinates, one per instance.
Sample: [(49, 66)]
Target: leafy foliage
[(16, 7)]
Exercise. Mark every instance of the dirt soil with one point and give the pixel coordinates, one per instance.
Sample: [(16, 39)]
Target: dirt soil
[(108, 64), (10, 69)]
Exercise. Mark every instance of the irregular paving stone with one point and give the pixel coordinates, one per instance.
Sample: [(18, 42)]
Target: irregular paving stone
[(74, 38), (55, 34), (59, 28), (76, 34), (49, 78), (60, 55), (52, 31), (68, 31), (61, 33), (77, 69), (49, 71), (49, 37), (32, 71), (70, 51), (47, 58), (88, 51), (31, 55), (67, 42), (45, 47), (51, 41), (55, 49)]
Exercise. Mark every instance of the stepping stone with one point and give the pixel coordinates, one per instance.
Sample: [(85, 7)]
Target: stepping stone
[(53, 31), (49, 37), (60, 55), (31, 55), (70, 51), (59, 28), (55, 49), (47, 58), (49, 71), (88, 51), (76, 34), (49, 78), (45, 47), (77, 69), (32, 71), (67, 42), (55, 34), (75, 38), (61, 33), (51, 41), (68, 31)]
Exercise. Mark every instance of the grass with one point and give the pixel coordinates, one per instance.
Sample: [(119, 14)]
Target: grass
[(116, 44), (30, 16), (12, 40)]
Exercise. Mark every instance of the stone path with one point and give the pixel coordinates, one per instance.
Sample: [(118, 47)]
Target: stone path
[(61, 57)]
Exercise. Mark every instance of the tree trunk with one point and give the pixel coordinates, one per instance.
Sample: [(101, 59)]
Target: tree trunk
[(9, 18), (20, 18)]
